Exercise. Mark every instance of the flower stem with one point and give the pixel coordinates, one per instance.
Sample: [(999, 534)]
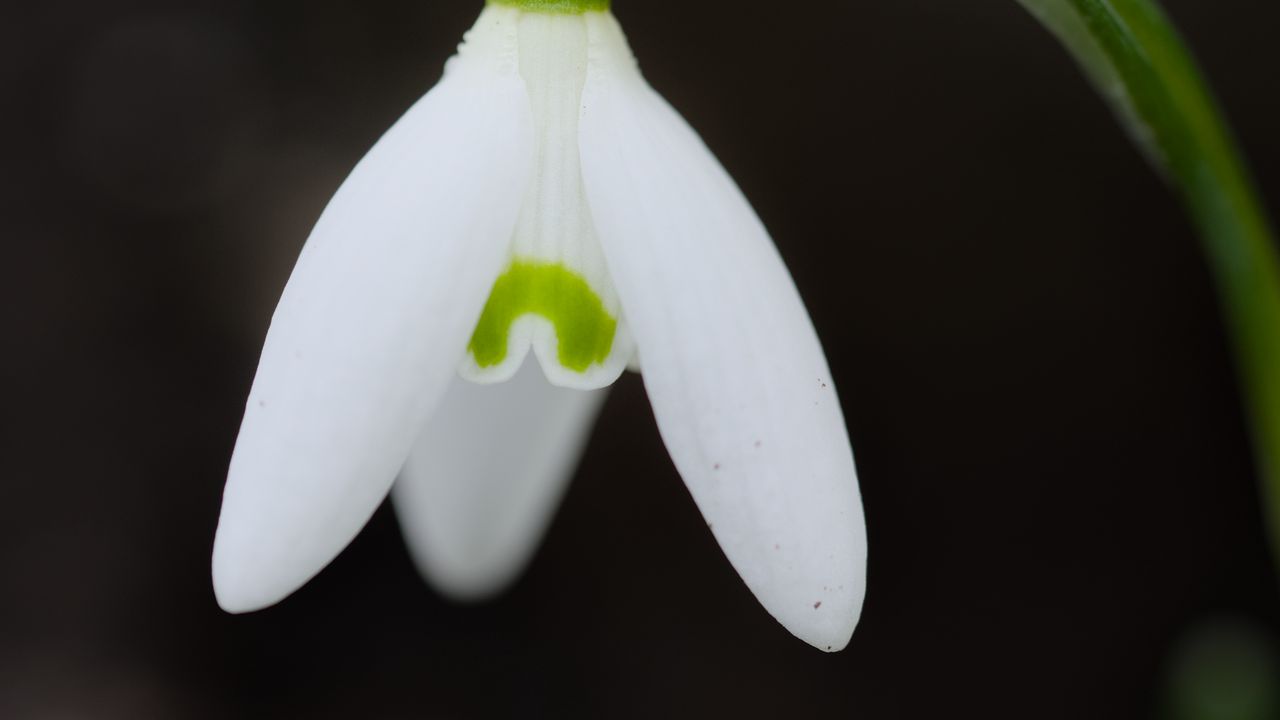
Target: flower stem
[(1135, 57), (557, 7)]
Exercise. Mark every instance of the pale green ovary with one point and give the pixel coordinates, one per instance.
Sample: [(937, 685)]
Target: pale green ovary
[(584, 328), (556, 7)]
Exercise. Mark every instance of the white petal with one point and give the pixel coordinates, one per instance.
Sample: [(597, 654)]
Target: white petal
[(737, 378), (486, 476), (373, 323)]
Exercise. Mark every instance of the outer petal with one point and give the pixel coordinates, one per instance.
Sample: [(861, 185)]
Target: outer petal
[(485, 478), (737, 378), (373, 323)]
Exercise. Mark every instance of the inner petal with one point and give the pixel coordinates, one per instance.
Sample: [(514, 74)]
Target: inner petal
[(555, 296)]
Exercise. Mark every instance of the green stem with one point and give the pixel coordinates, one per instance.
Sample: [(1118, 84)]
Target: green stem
[(1134, 56), (557, 7)]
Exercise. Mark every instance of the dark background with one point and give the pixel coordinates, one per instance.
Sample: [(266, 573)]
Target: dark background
[(1056, 473)]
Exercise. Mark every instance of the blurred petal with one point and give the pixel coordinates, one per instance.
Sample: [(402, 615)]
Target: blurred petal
[(485, 478), (737, 378), (373, 323)]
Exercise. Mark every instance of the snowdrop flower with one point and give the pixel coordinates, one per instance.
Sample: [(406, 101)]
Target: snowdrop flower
[(541, 198)]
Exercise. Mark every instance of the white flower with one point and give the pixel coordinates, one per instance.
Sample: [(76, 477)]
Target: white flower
[(541, 197)]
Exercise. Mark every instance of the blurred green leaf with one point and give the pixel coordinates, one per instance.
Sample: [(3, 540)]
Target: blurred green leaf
[(1137, 61), (1224, 669)]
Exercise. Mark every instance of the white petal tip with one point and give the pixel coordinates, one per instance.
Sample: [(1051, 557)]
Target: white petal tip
[(836, 646), (242, 585), (238, 599), (463, 586), (827, 622), (827, 637), (474, 567), (235, 604)]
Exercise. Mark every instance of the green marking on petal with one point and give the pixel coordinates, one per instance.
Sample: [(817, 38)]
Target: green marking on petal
[(557, 7), (584, 328)]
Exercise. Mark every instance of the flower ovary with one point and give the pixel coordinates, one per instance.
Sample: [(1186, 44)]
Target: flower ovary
[(557, 7)]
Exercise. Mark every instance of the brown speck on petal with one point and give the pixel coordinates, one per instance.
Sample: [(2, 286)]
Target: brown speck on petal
[(817, 605), (716, 466), (777, 547)]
